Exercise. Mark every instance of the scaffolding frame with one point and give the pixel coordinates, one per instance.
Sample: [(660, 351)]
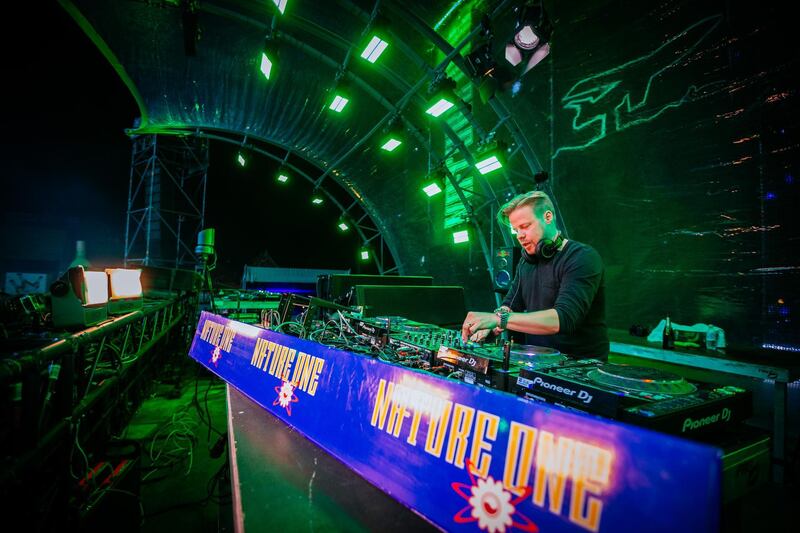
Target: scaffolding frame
[(166, 199)]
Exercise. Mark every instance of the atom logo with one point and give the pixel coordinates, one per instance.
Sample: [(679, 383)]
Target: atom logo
[(286, 396), (491, 505), (216, 355)]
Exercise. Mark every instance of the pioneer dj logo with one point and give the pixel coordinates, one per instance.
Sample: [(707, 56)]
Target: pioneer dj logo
[(581, 395), (690, 424)]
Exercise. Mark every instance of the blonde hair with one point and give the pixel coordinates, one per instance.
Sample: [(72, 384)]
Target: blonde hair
[(538, 200)]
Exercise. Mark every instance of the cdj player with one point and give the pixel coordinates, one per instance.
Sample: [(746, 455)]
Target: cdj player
[(484, 364), (640, 395)]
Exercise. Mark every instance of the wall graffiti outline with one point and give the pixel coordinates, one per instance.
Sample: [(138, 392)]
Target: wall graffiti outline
[(595, 95)]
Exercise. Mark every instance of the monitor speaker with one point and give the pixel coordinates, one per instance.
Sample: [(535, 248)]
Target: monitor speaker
[(339, 288), (440, 305), (505, 265)]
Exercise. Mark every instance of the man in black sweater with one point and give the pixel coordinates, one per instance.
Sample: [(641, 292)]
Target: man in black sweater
[(557, 296)]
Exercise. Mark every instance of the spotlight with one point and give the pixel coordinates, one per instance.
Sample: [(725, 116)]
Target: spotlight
[(488, 75), (530, 41), (341, 97), (266, 65), (481, 62), (282, 176), (79, 298), (241, 158), (391, 143), (434, 183), (444, 97), (491, 156), (393, 135), (374, 49), (339, 102), (343, 224), (125, 290), (317, 199), (460, 235), (363, 253), (280, 4), (433, 188), (377, 41), (205, 244)]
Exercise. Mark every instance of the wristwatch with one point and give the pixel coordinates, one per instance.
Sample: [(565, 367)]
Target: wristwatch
[(503, 313)]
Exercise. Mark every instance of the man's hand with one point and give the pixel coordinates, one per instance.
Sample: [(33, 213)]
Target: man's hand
[(478, 322), (480, 336)]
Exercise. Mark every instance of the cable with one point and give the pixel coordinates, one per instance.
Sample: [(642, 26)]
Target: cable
[(76, 444), (181, 432), (94, 367), (200, 411)]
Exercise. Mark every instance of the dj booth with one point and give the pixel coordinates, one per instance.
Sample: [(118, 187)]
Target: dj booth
[(403, 426)]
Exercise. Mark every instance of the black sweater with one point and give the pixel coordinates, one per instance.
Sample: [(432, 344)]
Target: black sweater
[(572, 283)]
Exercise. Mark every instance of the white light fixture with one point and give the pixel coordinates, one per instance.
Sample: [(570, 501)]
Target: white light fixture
[(266, 65), (374, 49), (460, 236), (433, 189), (487, 165), (391, 144), (280, 4), (338, 103)]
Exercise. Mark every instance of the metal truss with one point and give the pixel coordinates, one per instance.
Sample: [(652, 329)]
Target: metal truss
[(166, 200), (76, 394)]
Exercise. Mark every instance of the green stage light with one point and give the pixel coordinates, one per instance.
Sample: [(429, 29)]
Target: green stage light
[(280, 4), (460, 236), (266, 65), (374, 48), (489, 164), (441, 105), (317, 199), (282, 175), (491, 156), (341, 94), (434, 183), (432, 189), (241, 159), (363, 253), (343, 225), (393, 135), (338, 103), (390, 144), (444, 97)]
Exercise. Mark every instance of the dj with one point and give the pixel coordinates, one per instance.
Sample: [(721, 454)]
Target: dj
[(557, 296)]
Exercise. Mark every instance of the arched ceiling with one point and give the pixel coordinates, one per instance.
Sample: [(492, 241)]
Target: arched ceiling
[(213, 86)]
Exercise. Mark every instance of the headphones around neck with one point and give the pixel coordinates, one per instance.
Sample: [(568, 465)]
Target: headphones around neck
[(545, 249)]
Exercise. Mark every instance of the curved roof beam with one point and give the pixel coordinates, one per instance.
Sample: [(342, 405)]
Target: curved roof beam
[(392, 111), (297, 171), (412, 91), (331, 38), (452, 54)]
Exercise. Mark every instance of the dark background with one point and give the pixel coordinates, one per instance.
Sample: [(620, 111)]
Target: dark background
[(66, 168)]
